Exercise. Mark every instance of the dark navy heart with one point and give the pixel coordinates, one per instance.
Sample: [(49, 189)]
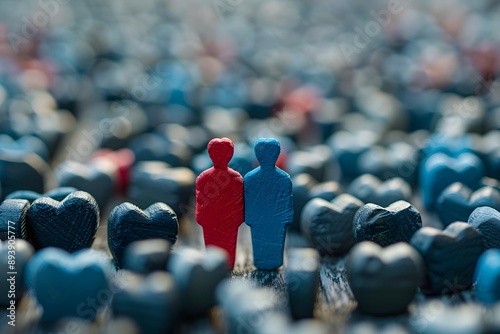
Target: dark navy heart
[(69, 285), (146, 256), (391, 274), (302, 280), (487, 221), (128, 223), (385, 226), (450, 257), (13, 214), (70, 224), (22, 171), (152, 302), (57, 194), (154, 181), (439, 170), (329, 225), (98, 178), (197, 274), (370, 189), (457, 202)]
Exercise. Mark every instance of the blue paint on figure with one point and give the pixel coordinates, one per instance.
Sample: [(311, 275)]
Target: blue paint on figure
[(268, 205)]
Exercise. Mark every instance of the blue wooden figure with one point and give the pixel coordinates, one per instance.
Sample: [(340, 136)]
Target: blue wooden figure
[(268, 205)]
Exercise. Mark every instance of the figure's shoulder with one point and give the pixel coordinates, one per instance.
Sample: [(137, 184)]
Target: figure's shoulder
[(206, 174)]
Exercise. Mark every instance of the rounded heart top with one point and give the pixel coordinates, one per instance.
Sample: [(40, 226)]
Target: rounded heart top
[(221, 151), (267, 151)]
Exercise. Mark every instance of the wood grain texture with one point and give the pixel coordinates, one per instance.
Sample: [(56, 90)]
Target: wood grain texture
[(15, 211), (370, 189), (439, 170), (268, 205), (70, 224), (386, 226), (457, 202), (487, 221), (128, 223), (64, 283), (219, 199), (450, 257), (329, 225), (391, 274)]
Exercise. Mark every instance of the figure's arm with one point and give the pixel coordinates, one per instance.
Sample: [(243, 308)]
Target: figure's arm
[(290, 209)]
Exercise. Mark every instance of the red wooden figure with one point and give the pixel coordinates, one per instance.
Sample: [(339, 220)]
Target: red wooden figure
[(219, 199)]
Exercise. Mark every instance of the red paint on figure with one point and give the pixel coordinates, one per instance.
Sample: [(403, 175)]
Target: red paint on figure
[(219, 199)]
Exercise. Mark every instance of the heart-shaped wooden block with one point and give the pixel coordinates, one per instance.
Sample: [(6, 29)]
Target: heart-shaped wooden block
[(146, 256), (154, 181), (391, 274), (69, 285), (14, 256), (98, 178), (487, 275), (151, 301), (128, 223), (370, 189), (302, 279), (329, 225), (487, 221), (197, 274), (57, 194), (22, 171), (457, 202), (70, 224), (439, 170), (385, 226), (13, 214), (450, 257)]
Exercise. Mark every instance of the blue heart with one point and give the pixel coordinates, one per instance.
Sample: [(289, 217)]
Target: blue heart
[(457, 202), (488, 277), (128, 223), (487, 221), (438, 171), (69, 285), (70, 224)]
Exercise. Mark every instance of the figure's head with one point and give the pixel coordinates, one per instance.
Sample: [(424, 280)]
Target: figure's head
[(221, 151), (267, 151)]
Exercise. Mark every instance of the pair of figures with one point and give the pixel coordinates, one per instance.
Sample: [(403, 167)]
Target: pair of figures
[(263, 200)]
